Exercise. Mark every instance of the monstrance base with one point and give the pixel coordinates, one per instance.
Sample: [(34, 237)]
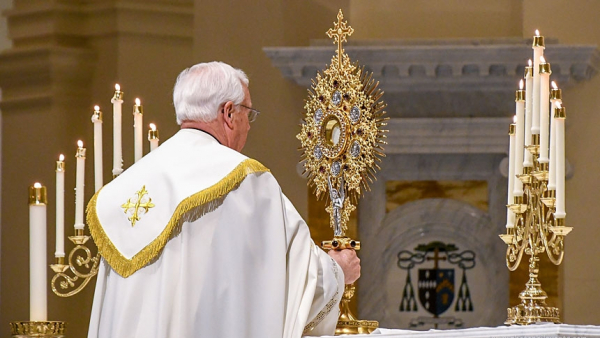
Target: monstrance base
[(347, 322), (355, 327)]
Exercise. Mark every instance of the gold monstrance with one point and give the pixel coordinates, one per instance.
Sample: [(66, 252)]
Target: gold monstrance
[(341, 141)]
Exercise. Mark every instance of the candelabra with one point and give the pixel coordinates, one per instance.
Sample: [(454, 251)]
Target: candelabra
[(536, 230), (83, 267), (73, 275)]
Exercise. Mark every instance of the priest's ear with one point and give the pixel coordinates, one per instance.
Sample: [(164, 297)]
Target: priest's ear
[(228, 110)]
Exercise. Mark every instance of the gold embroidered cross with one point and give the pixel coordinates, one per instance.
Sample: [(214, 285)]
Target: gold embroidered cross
[(133, 205), (339, 33)]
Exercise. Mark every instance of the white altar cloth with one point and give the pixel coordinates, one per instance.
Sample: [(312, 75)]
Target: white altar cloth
[(545, 330)]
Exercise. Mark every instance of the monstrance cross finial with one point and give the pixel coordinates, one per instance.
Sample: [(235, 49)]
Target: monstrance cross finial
[(339, 32)]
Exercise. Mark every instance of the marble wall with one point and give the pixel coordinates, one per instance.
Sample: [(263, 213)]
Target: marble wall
[(459, 217)]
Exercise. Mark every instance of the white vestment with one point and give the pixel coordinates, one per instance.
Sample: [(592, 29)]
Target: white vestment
[(216, 250)]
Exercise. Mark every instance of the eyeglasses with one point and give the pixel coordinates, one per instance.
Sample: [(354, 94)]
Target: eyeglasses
[(252, 113)]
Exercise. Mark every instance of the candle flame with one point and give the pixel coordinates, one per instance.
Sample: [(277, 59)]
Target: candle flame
[(514, 118), (537, 32), (521, 84), (558, 104), (96, 108), (37, 185), (61, 157), (153, 126), (542, 59), (137, 102), (117, 87), (530, 63), (80, 144), (554, 85)]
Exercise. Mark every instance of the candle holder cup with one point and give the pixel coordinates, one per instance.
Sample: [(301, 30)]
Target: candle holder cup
[(549, 198), (60, 265), (525, 178)]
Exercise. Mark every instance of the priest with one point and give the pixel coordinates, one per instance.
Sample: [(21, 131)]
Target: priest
[(197, 240)]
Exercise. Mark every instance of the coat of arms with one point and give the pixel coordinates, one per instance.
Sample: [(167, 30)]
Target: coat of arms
[(436, 285)]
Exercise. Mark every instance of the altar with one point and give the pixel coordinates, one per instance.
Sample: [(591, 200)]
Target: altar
[(539, 331)]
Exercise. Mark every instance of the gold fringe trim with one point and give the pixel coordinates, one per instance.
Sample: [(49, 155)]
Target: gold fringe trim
[(189, 210)]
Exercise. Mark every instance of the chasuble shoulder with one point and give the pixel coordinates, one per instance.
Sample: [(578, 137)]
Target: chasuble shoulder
[(132, 218)]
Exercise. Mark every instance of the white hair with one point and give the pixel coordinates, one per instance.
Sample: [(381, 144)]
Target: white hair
[(201, 89)]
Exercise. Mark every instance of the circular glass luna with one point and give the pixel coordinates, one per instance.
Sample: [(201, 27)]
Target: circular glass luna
[(333, 134), (331, 130)]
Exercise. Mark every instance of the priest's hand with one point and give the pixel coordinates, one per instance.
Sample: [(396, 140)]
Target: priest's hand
[(349, 262)]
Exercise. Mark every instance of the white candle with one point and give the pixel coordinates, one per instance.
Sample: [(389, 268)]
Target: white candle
[(117, 101), (538, 51), (560, 116), (79, 185), (38, 280), (97, 121), (510, 216), (528, 160), (153, 137), (60, 207), (555, 98), (138, 130), (545, 72), (519, 138)]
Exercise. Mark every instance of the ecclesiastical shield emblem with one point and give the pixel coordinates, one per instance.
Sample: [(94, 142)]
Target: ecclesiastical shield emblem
[(436, 289)]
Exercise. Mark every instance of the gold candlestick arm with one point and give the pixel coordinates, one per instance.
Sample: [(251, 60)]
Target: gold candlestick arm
[(82, 264)]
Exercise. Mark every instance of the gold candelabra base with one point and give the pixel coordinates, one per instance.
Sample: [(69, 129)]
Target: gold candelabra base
[(347, 323), (39, 329), (538, 312), (533, 308)]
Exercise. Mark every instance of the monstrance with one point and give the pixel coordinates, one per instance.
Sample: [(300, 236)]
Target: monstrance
[(342, 142)]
